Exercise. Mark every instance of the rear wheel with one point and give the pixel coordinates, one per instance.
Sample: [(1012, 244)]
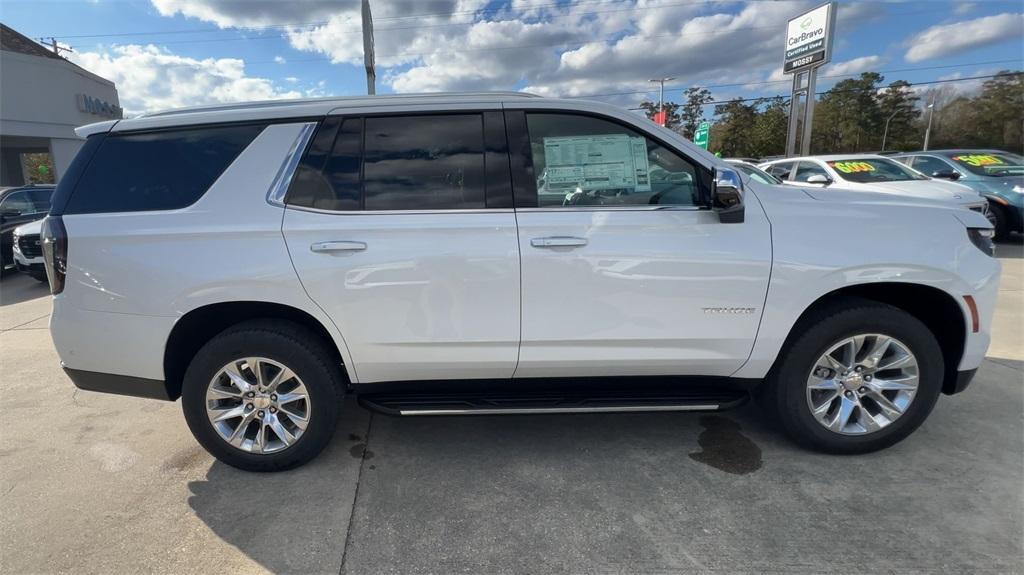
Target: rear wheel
[(860, 377), (263, 396)]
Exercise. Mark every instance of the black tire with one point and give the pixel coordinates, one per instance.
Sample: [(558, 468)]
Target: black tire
[(784, 393), (282, 341), (40, 277), (1002, 221)]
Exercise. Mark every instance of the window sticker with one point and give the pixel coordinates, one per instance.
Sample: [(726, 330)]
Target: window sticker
[(979, 160), (852, 167), (606, 162)]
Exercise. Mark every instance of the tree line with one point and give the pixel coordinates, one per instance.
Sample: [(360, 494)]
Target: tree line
[(857, 114)]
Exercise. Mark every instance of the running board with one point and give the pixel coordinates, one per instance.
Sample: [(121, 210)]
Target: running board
[(527, 403)]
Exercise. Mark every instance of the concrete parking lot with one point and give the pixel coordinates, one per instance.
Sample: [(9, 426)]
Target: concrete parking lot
[(95, 483)]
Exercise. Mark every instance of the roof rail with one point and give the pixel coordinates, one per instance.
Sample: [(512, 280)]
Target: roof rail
[(340, 99)]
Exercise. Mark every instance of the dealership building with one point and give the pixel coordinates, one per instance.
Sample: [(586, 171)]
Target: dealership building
[(43, 99)]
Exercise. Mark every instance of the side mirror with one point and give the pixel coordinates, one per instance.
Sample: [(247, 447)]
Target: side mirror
[(947, 174), (727, 196), (819, 179)]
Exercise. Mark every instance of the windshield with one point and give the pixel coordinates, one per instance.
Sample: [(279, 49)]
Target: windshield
[(870, 170), (757, 173), (990, 164)]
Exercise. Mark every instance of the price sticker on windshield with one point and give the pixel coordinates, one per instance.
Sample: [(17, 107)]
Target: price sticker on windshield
[(852, 167), (979, 160)]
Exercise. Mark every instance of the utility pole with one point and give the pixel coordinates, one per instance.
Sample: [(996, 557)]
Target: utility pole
[(53, 45), (661, 98), (886, 132), (928, 130), (368, 59)]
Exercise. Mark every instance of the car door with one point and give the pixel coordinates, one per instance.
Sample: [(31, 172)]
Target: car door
[(624, 270), (401, 228)]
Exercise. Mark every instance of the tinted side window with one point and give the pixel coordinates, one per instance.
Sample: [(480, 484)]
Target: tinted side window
[(781, 171), (163, 170), (40, 199), (586, 161), (17, 202), (929, 166), (424, 162), (805, 170), (308, 184)]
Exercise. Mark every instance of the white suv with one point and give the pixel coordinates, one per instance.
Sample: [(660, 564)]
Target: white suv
[(493, 253)]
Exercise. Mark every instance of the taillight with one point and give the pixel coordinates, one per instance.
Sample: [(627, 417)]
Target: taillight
[(54, 238)]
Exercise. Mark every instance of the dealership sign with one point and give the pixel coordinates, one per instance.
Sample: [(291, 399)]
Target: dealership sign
[(91, 105), (809, 38)]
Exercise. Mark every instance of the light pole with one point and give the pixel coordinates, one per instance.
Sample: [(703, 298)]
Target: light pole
[(661, 97), (928, 130), (886, 132)]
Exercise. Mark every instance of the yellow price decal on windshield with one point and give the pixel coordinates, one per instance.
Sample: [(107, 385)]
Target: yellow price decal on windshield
[(852, 167), (978, 160)]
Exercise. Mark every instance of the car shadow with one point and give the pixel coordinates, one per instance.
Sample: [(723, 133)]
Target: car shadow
[(1011, 247), (17, 287), (298, 521)]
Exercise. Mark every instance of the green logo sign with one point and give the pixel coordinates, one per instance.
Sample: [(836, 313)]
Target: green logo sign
[(700, 137), (806, 23)]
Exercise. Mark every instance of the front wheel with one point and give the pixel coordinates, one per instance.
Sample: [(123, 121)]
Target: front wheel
[(263, 396), (1000, 221), (859, 378)]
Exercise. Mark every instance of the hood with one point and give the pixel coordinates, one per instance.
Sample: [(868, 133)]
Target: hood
[(29, 228), (861, 196), (1001, 184), (936, 190)]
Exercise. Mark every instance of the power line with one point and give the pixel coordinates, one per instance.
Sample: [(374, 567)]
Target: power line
[(833, 91), (788, 81)]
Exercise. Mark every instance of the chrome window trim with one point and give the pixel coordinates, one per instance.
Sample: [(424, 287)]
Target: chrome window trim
[(283, 179), (639, 208), (399, 212), (501, 210)]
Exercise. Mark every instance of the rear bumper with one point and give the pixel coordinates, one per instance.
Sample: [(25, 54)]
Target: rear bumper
[(119, 384), (963, 379)]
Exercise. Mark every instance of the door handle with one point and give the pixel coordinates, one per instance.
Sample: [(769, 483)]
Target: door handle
[(326, 247), (558, 242)]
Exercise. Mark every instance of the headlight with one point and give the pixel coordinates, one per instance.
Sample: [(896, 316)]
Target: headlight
[(982, 238)]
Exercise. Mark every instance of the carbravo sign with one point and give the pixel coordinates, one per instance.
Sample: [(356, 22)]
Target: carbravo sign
[(809, 38)]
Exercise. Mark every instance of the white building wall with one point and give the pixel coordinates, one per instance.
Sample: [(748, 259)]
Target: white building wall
[(38, 99)]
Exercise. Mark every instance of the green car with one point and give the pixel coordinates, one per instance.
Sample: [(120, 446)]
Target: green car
[(996, 175)]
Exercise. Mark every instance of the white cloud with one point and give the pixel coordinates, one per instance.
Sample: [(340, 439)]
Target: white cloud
[(854, 66), (579, 47), (291, 80), (958, 37), (964, 8), (279, 60), (150, 78)]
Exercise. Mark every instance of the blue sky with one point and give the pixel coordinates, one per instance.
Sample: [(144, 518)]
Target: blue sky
[(170, 53)]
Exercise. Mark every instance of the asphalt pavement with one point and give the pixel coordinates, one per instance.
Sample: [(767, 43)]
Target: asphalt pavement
[(93, 483)]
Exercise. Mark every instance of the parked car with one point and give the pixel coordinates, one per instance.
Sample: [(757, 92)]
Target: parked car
[(263, 260), (998, 176), (753, 171), (872, 173), (20, 205), (28, 250)]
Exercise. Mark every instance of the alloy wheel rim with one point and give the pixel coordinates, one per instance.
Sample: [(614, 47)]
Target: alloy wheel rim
[(862, 384), (258, 405)]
